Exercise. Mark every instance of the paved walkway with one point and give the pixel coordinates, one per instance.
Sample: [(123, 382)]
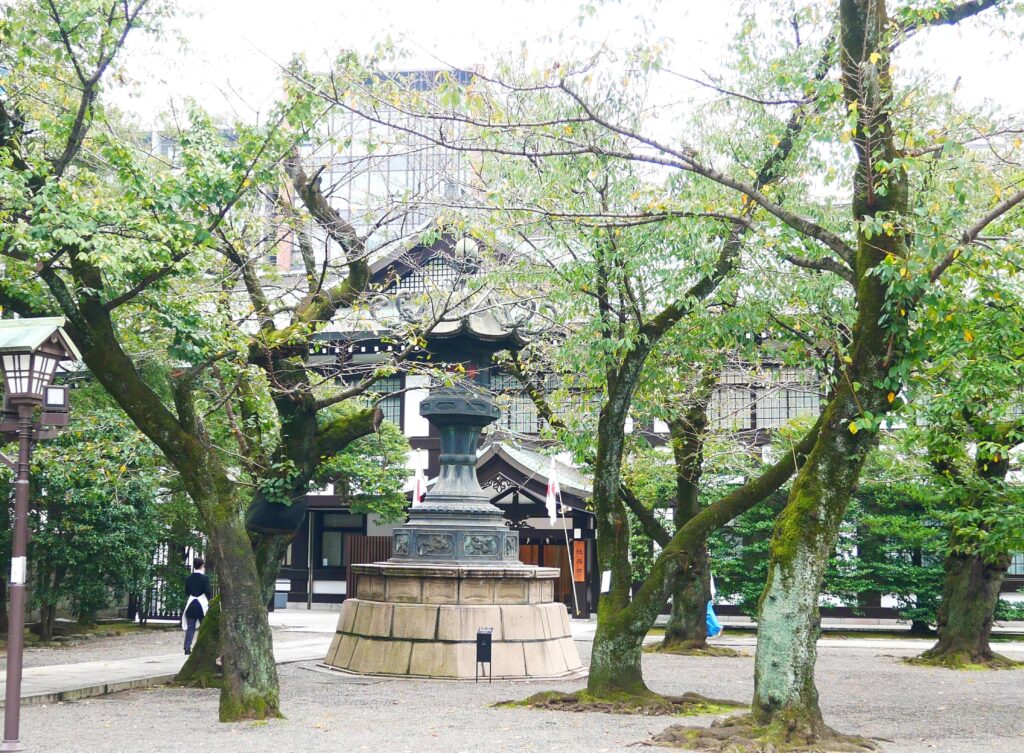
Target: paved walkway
[(916, 644), (66, 682)]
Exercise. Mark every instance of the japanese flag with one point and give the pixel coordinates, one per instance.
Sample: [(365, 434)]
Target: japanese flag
[(419, 484), (554, 496)]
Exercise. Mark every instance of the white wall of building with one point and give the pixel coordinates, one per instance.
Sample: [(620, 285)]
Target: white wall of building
[(374, 527), (416, 390)]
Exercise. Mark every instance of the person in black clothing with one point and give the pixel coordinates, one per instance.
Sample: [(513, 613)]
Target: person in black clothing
[(198, 593)]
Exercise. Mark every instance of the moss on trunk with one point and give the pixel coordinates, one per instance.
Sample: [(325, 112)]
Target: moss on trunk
[(686, 630), (615, 660), (615, 669), (802, 541), (269, 550), (250, 688), (785, 697), (200, 669), (969, 597)]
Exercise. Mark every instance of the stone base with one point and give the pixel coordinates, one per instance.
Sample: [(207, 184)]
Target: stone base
[(422, 621)]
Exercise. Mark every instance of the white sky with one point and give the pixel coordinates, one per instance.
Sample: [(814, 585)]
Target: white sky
[(235, 47)]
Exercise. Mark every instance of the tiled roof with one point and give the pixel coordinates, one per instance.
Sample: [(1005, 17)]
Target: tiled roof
[(537, 465)]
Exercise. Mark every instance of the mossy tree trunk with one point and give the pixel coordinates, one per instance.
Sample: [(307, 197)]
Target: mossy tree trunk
[(615, 670), (252, 690), (618, 641), (802, 541), (304, 443), (687, 629), (269, 549), (622, 623), (785, 695), (615, 659), (250, 687), (687, 623), (628, 625), (683, 567), (970, 593), (615, 662), (200, 670), (88, 299), (971, 583)]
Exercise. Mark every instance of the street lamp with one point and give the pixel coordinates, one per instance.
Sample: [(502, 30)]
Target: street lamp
[(33, 408)]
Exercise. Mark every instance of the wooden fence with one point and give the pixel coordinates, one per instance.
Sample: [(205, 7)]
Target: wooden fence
[(360, 550)]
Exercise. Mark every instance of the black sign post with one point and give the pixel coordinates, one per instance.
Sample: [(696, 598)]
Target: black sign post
[(483, 653)]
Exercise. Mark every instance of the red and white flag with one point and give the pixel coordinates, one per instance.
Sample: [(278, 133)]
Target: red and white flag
[(419, 483), (554, 496)]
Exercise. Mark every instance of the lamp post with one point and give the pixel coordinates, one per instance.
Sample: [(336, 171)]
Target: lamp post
[(33, 409)]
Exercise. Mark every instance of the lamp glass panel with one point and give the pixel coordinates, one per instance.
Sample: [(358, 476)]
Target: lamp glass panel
[(51, 368), (56, 397), (16, 372), (8, 369), (24, 372), (43, 367)]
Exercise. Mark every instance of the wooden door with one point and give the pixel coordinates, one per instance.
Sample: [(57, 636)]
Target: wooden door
[(529, 554), (556, 555)]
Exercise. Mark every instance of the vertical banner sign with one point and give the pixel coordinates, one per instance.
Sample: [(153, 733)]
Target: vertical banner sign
[(18, 567), (579, 561)]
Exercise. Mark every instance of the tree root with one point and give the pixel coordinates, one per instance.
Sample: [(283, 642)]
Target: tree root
[(963, 659), (254, 708), (740, 734), (682, 649), (200, 669), (201, 680), (641, 704)]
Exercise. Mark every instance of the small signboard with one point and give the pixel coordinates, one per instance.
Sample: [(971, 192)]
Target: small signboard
[(579, 561), (483, 652)]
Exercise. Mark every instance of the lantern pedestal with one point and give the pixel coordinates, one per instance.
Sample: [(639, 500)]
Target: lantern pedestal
[(422, 620), (455, 569)]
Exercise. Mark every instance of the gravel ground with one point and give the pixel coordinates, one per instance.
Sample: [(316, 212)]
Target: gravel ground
[(149, 642), (863, 690)]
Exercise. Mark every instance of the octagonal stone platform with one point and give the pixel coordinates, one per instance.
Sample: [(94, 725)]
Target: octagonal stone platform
[(422, 621)]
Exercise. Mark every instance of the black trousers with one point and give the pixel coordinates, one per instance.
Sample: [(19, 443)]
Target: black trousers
[(190, 631)]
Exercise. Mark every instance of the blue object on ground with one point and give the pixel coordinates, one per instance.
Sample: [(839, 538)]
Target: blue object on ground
[(714, 628)]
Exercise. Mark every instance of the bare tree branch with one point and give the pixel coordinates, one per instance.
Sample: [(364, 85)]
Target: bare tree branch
[(89, 82), (948, 16), (651, 525), (822, 265), (971, 234)]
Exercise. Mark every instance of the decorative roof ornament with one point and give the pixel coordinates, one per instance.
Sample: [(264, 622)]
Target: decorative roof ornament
[(456, 308)]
